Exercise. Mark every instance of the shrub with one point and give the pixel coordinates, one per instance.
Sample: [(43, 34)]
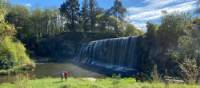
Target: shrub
[(12, 52)]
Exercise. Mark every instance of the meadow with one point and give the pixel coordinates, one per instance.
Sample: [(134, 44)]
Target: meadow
[(90, 83)]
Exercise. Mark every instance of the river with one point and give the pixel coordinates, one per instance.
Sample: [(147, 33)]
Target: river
[(43, 70)]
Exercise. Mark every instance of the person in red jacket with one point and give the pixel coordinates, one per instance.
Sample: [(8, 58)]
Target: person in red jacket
[(64, 75)]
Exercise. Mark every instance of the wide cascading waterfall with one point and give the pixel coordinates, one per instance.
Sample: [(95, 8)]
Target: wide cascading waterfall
[(116, 52)]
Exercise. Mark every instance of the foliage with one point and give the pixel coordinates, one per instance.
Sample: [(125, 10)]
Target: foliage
[(147, 45), (70, 10), (118, 10), (186, 56), (172, 28), (92, 14), (18, 16), (177, 46), (34, 26), (12, 52), (85, 15), (173, 47), (132, 31)]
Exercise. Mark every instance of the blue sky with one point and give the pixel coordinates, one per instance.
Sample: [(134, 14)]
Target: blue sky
[(138, 11)]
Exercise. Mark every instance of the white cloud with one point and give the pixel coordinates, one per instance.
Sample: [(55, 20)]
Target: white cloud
[(153, 10), (28, 5), (151, 4), (156, 1), (155, 14), (159, 3)]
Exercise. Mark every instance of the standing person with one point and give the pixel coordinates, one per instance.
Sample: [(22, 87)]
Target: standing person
[(64, 75)]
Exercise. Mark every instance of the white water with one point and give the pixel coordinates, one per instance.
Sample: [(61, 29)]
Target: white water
[(118, 53)]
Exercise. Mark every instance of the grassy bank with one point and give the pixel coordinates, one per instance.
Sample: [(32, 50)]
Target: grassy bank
[(18, 69), (89, 83)]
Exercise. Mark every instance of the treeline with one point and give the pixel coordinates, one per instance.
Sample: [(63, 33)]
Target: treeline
[(13, 56), (171, 49), (70, 17), (69, 23)]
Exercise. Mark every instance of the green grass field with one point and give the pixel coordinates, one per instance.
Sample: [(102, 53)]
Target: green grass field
[(90, 83)]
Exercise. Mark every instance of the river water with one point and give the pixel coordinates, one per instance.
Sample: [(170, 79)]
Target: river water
[(43, 70), (54, 70)]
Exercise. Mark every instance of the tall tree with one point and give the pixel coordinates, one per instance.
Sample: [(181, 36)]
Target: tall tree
[(118, 10), (93, 7), (37, 21), (85, 15), (19, 17), (70, 10)]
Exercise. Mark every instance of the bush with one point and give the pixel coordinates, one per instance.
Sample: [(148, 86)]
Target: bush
[(12, 52)]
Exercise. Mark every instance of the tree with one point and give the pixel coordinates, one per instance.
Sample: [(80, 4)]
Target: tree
[(108, 23), (131, 30), (151, 40), (85, 15), (148, 47), (52, 21), (37, 20), (172, 27), (92, 8), (19, 17), (118, 10), (186, 56), (151, 30), (12, 51), (70, 10), (5, 29)]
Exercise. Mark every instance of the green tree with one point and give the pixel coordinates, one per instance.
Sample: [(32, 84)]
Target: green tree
[(51, 22), (173, 27), (109, 23), (92, 14), (85, 15), (118, 10), (37, 19), (131, 30), (151, 30), (19, 17), (12, 52), (186, 56), (70, 10)]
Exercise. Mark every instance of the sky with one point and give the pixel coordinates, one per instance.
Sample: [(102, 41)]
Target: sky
[(138, 11)]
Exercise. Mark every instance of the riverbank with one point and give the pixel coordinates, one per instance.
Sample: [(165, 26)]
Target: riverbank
[(90, 83), (18, 69)]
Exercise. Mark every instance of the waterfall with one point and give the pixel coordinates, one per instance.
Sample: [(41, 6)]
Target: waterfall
[(115, 52)]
